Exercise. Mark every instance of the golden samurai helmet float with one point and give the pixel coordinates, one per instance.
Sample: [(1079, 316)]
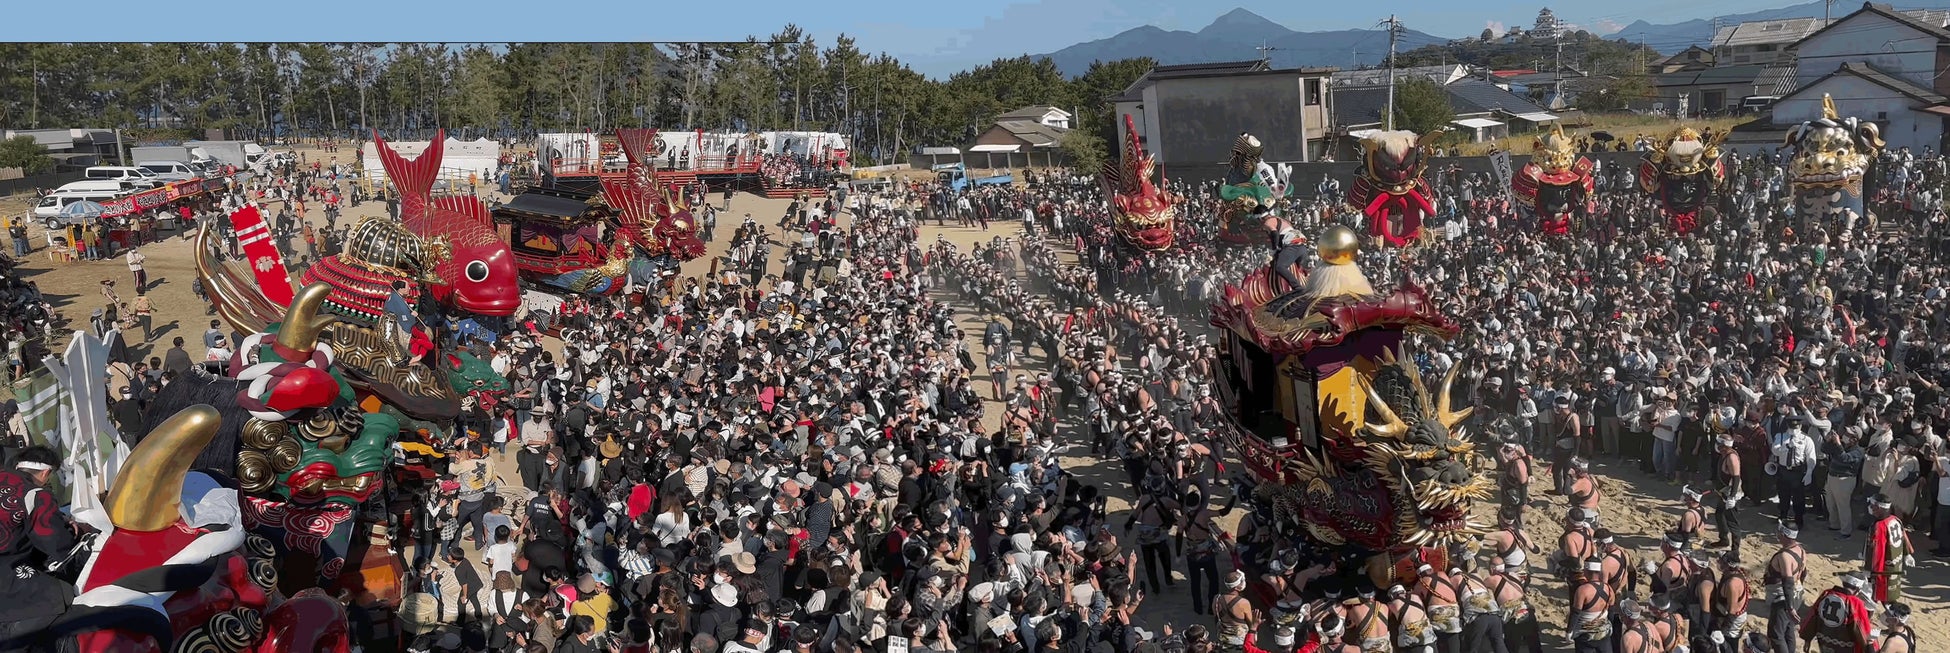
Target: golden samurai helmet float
[(1333, 417), (1556, 185), (1682, 172), (1831, 155)]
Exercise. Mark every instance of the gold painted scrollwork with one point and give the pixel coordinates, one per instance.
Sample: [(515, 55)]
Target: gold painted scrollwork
[(254, 471)]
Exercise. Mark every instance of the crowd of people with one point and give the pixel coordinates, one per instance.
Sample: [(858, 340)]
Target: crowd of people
[(1765, 360), (863, 450)]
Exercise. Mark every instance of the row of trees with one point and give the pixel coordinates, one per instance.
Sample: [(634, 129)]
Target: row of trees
[(783, 81)]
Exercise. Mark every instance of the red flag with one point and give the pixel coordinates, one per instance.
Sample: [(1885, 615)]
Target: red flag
[(262, 255)]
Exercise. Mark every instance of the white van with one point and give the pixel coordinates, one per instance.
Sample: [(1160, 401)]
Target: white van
[(170, 170), (95, 186), (141, 177), (49, 209)]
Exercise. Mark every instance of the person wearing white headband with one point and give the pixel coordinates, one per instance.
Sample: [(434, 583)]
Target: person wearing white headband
[(1889, 551), (1786, 574), (1590, 621), (1725, 516), (1897, 637), (32, 530), (1840, 618)]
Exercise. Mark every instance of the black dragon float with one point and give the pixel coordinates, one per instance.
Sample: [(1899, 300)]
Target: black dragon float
[(1349, 445)]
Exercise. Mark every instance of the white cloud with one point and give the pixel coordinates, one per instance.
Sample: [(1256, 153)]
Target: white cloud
[(1607, 26), (1496, 27)]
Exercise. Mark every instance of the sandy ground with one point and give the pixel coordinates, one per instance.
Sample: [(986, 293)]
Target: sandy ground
[(1636, 507)]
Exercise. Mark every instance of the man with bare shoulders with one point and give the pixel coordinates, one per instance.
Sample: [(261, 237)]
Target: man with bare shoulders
[(1692, 518), (1235, 614), (1728, 604), (1671, 576), (1585, 491), (1787, 573), (1897, 636), (1332, 630), (1413, 634), (1727, 485), (1512, 545), (1618, 564), (1634, 631), (1589, 627), (1439, 592), (1367, 619), (1575, 546), (1513, 478), (1509, 586)]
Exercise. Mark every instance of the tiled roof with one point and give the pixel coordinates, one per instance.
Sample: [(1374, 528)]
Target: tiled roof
[(1927, 22), (1032, 132), (1879, 77), (1355, 106), (1477, 96), (1767, 31), (1031, 112)]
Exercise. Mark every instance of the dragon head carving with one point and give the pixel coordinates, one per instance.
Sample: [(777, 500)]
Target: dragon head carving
[(1832, 152), (1146, 215), (1406, 478)]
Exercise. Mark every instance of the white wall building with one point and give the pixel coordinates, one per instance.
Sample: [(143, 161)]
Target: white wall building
[(1878, 65)]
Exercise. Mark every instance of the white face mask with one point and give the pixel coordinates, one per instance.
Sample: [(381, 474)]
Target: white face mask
[(720, 578)]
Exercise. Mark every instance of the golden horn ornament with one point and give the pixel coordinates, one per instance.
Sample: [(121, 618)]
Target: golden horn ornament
[(148, 493), (232, 298), (302, 321), (1448, 418)]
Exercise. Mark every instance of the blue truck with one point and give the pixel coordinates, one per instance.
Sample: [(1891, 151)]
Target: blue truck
[(955, 177)]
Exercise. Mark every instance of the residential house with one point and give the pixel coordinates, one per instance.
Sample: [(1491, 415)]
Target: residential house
[(1131, 101), (1762, 42), (1720, 90), (1190, 115), (1047, 116), (1021, 135), (1880, 65), (1692, 58), (1482, 110)]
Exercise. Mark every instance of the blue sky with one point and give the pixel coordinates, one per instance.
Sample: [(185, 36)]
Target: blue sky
[(935, 37)]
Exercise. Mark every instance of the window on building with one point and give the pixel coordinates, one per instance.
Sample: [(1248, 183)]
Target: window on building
[(1765, 47), (1312, 91)]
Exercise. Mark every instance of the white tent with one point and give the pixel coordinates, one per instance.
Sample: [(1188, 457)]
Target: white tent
[(458, 160)]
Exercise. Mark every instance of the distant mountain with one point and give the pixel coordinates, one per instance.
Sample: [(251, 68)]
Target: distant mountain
[(1674, 37), (1236, 36)]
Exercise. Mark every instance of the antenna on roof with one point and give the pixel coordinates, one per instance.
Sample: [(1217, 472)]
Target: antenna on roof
[(1265, 52)]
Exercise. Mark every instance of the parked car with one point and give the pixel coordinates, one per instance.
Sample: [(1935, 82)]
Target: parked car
[(48, 211), (141, 177), (170, 170)]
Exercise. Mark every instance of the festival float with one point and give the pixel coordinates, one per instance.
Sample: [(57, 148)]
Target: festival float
[(1252, 194), (633, 230), (1144, 214), (478, 274), (1389, 189), (231, 522), (1830, 157), (1347, 443), (1555, 187), (1681, 172)]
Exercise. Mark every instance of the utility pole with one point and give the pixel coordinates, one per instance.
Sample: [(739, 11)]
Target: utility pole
[(1557, 72), (1394, 31)]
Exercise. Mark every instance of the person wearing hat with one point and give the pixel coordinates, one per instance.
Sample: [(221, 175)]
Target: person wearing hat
[(1792, 464), (1839, 620), (593, 599), (1889, 551), (1787, 572)]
